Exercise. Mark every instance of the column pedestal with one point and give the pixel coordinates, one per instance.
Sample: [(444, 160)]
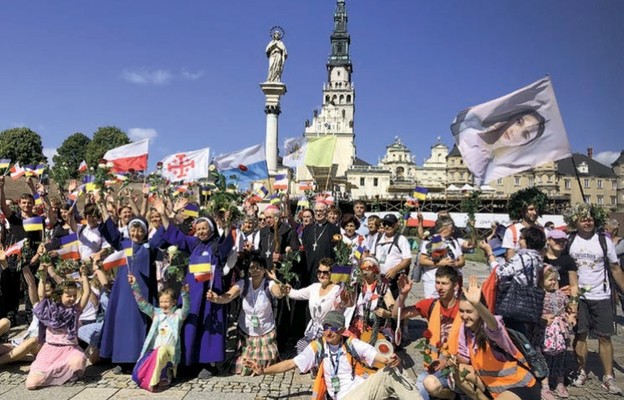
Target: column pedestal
[(272, 91)]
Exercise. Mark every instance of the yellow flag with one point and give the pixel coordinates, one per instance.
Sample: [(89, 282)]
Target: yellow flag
[(320, 151)]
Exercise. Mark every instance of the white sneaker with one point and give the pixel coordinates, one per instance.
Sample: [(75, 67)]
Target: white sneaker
[(580, 379), (608, 384)]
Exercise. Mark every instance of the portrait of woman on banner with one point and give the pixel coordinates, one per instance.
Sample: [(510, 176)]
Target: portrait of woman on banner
[(510, 134)]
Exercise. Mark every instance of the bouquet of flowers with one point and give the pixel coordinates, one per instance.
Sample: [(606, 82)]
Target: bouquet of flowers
[(342, 250), (442, 350), (178, 262)]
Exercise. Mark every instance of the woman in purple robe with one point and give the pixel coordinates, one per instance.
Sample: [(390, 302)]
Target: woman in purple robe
[(125, 327), (203, 332)]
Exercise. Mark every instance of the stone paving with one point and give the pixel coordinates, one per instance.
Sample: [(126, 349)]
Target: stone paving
[(99, 383)]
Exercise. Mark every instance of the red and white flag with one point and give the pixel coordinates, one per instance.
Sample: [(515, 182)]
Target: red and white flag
[(15, 248), (187, 167), (130, 156), (115, 260), (82, 167), (17, 171)]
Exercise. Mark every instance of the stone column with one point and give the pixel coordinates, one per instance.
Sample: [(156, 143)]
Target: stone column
[(272, 91)]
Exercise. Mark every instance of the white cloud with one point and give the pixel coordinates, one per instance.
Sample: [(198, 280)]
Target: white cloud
[(192, 76), (137, 134), (143, 76), (607, 157), (50, 152)]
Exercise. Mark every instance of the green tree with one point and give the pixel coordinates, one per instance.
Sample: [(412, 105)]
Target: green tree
[(104, 139), (72, 152), (68, 158), (21, 145)]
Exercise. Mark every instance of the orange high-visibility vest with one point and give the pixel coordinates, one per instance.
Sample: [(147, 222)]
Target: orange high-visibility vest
[(499, 376), (435, 327)]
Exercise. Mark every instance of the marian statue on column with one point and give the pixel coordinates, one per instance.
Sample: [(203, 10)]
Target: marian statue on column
[(276, 52)]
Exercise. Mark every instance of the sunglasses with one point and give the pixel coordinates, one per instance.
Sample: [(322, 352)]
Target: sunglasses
[(327, 327), (320, 272), (387, 225), (261, 219)]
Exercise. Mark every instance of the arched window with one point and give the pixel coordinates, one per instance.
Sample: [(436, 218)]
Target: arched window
[(327, 99), (344, 114), (341, 99), (348, 98)]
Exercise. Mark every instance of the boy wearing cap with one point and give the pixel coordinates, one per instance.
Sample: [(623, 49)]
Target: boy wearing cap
[(340, 373), (393, 252)]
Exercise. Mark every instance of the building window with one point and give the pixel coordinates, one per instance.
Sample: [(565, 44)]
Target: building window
[(531, 181), (567, 184), (362, 181), (517, 180), (499, 181), (600, 200), (348, 98), (599, 183), (614, 200), (375, 181), (586, 183), (587, 198), (614, 184)]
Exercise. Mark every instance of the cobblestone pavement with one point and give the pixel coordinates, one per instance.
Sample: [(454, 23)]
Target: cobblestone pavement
[(99, 383)]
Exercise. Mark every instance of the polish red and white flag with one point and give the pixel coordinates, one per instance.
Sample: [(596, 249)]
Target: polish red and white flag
[(130, 156)]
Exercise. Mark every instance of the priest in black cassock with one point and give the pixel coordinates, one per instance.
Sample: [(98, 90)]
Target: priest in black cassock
[(317, 238)]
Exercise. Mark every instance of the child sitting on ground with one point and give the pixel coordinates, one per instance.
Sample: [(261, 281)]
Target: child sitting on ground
[(60, 359), (161, 351)]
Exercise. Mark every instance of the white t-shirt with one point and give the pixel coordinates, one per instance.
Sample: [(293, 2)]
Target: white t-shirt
[(256, 305), (508, 238), (306, 360), (319, 306), (91, 241), (390, 255), (454, 251), (589, 258)]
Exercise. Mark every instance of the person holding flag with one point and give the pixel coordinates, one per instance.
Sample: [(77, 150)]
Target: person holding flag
[(203, 332), (23, 225), (125, 327)]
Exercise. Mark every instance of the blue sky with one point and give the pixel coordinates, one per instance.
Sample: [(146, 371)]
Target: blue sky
[(187, 73)]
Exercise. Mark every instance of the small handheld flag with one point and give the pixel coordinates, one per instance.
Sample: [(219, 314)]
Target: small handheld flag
[(70, 249), (115, 260), (191, 210), (420, 193), (33, 224), (341, 273), (15, 248)]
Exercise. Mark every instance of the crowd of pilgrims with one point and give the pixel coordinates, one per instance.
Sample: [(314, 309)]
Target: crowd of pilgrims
[(232, 312)]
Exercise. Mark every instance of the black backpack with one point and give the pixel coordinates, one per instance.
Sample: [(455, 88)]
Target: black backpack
[(535, 362)]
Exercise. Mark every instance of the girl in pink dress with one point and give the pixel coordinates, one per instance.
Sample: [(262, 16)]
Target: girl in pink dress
[(60, 359)]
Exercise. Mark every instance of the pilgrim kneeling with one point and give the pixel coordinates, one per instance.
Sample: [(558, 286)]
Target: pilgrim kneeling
[(342, 367)]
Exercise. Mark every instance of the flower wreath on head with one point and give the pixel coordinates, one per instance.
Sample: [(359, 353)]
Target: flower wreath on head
[(524, 198), (581, 211)]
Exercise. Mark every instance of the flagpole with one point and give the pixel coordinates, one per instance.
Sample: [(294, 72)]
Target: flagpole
[(578, 178)]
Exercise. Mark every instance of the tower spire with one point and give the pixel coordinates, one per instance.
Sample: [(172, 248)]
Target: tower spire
[(340, 39)]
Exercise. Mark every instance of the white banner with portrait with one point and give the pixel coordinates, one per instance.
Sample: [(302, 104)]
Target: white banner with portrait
[(511, 134)]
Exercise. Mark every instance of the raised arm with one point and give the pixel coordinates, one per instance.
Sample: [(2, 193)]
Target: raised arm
[(32, 285), (145, 307), (6, 210), (145, 203), (473, 295), (186, 302), (86, 287)]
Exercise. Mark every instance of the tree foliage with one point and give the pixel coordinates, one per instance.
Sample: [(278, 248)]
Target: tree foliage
[(68, 158), (104, 139), (71, 153), (21, 145)]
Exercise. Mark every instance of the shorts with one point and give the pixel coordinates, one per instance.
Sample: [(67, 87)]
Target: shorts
[(595, 316)]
